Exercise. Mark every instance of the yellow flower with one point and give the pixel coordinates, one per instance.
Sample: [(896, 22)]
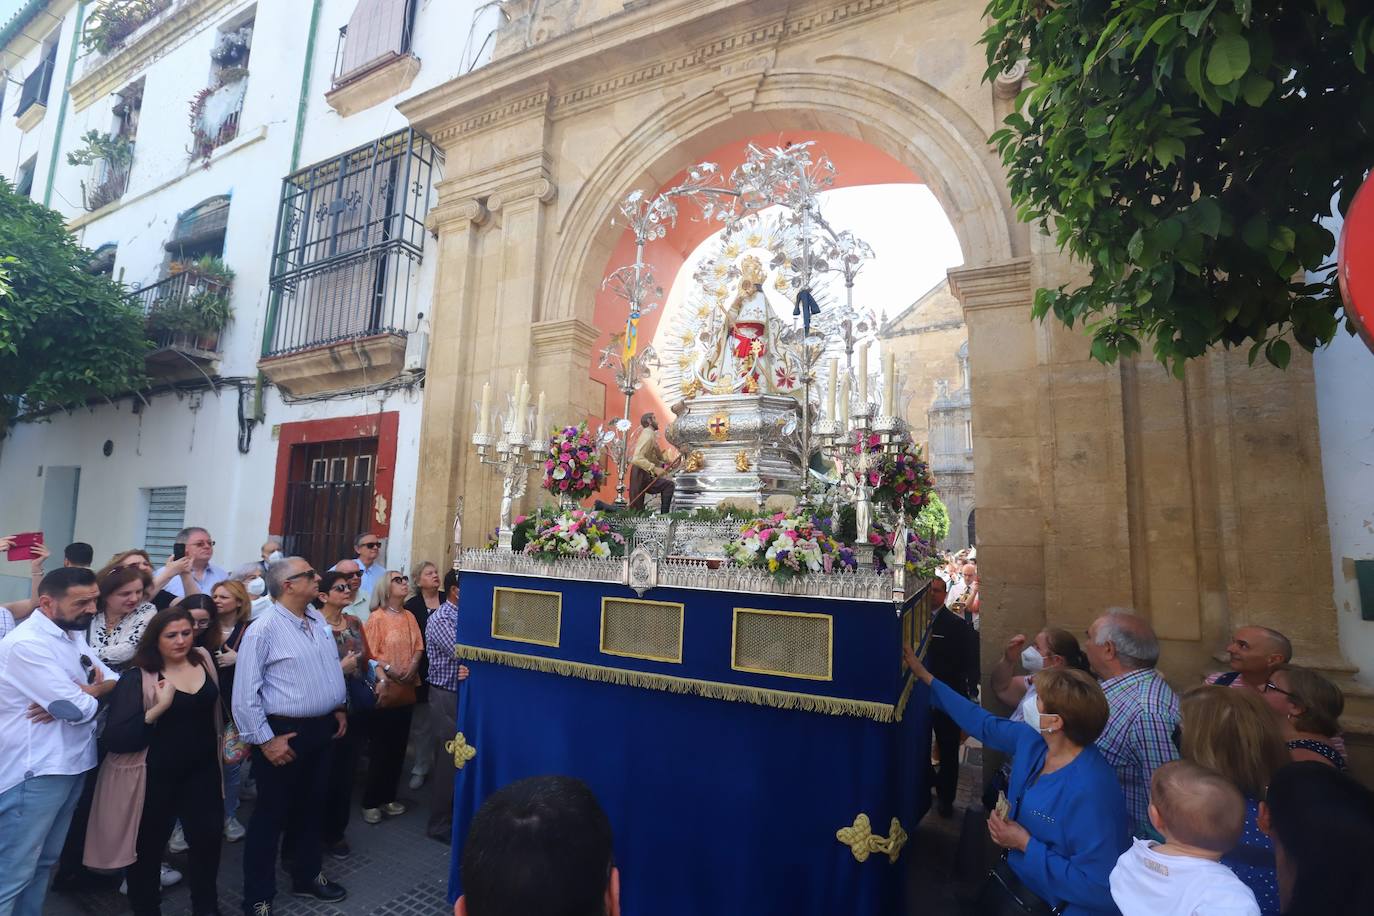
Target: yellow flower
[(772, 565)]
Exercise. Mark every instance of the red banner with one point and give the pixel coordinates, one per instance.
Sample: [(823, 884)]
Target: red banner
[(1355, 263)]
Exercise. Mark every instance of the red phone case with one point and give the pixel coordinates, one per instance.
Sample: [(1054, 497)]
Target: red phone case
[(23, 546)]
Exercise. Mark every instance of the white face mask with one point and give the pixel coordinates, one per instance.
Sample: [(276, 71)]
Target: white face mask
[(1032, 660), (256, 587), (274, 556), (1030, 711)]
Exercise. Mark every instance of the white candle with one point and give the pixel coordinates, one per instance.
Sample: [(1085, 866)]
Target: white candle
[(844, 402), (863, 377), (830, 389), (540, 430), (484, 418), (889, 383), (522, 408)]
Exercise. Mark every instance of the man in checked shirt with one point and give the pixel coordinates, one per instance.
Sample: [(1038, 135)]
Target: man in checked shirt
[(1122, 650), (445, 674)]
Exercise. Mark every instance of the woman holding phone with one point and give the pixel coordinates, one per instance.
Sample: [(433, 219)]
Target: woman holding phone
[(163, 735)]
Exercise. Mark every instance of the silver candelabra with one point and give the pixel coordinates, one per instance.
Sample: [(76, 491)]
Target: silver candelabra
[(512, 455), (846, 444)]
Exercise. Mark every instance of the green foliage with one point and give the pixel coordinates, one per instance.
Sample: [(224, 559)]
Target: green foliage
[(112, 21), (1186, 151), (932, 522), (202, 314), (65, 335), (115, 150)]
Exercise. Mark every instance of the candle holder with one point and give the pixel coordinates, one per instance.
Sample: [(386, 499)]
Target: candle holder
[(847, 445), (512, 455)]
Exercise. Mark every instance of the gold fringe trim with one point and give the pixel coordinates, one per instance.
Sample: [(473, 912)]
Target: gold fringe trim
[(759, 696), (905, 697)]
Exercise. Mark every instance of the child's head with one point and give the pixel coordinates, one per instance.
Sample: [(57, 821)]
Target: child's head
[(1194, 806)]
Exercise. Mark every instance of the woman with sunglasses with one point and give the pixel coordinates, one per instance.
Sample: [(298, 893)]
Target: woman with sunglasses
[(336, 594), (397, 646), (233, 605), (163, 735), (1308, 708)]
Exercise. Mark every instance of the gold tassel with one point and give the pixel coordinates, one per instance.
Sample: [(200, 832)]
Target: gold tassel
[(759, 696), (460, 749), (862, 842)]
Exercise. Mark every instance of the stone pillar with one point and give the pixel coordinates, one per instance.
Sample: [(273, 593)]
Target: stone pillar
[(561, 366), (446, 422), (1006, 394)]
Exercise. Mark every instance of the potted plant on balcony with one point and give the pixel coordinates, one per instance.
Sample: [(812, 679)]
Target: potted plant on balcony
[(115, 20), (117, 154), (214, 115), (202, 310)]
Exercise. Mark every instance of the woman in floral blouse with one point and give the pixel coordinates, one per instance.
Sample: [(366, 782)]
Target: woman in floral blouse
[(117, 627)]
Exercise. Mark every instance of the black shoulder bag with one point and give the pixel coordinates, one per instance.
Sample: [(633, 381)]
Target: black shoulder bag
[(1004, 894)]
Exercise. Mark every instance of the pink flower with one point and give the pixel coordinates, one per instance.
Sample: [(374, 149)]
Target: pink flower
[(874, 478), (875, 538), (562, 484), (548, 465)]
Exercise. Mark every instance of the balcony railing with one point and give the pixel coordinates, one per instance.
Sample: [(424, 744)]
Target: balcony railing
[(185, 312), (36, 86), (215, 114), (350, 233), (378, 33), (108, 184)]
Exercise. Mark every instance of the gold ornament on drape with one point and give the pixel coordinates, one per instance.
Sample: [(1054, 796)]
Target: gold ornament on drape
[(863, 842)]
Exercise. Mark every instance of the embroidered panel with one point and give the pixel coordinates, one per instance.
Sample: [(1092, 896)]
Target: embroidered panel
[(525, 615), (642, 629), (785, 643)]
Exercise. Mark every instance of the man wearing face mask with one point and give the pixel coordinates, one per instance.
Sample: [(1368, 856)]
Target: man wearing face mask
[(953, 658), (51, 685)]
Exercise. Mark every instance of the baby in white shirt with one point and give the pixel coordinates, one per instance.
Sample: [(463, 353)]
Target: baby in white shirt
[(1201, 817)]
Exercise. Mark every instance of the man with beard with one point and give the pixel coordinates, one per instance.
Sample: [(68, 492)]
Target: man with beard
[(51, 685), (650, 471)]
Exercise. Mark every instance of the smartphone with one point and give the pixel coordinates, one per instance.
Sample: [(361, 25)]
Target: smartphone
[(178, 551), (23, 546)]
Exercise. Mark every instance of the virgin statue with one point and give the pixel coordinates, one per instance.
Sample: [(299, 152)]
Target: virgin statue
[(746, 355)]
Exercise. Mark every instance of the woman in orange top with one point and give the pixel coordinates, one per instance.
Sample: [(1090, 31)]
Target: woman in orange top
[(397, 646)]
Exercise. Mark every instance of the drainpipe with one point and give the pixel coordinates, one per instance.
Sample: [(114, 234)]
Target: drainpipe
[(274, 297), (62, 106)]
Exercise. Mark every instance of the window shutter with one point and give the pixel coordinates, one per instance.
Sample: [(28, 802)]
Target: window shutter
[(378, 31), (166, 516)]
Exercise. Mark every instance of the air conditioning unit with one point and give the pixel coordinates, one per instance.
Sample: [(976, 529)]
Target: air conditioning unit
[(417, 346)]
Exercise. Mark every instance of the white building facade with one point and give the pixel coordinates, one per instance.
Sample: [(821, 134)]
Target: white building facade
[(260, 139)]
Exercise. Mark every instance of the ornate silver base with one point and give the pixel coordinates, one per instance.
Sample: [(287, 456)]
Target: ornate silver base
[(736, 447)]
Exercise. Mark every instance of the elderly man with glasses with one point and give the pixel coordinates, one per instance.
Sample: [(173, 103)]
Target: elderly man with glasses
[(204, 575), (290, 703), (369, 548)]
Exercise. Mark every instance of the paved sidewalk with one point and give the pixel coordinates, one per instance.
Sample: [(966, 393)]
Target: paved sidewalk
[(395, 870)]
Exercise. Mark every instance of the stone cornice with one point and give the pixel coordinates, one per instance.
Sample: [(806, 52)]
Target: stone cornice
[(170, 29), (457, 215), (568, 73), (1003, 285), (538, 188), (562, 335)]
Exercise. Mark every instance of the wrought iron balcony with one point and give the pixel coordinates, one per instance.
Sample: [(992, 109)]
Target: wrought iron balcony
[(185, 314), (108, 184)]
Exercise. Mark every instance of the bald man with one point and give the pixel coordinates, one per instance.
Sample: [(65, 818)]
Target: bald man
[(1255, 654)]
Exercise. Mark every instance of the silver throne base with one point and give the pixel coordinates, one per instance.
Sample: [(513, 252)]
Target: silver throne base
[(734, 447)]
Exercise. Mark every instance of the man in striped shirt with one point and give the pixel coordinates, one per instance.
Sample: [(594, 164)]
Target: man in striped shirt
[(290, 703), (1255, 654), (1122, 650)]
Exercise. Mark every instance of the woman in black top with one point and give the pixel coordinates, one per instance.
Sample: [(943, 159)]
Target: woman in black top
[(424, 602), (181, 732)]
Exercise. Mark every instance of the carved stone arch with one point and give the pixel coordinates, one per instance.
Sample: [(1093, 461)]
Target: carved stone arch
[(914, 123)]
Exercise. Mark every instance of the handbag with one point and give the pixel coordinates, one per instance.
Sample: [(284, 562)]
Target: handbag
[(1004, 894), (235, 750), (362, 693), (392, 693)]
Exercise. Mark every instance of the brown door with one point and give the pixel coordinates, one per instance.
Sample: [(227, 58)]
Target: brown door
[(328, 499)]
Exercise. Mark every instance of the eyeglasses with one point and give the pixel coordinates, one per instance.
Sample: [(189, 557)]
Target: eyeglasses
[(89, 666), (399, 579), (200, 624), (200, 544), (1270, 685), (301, 575), (340, 587), (352, 575), (373, 544)]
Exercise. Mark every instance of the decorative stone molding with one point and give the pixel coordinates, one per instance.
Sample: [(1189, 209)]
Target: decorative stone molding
[(563, 335), (540, 189), (994, 286), (459, 214), (375, 86), (169, 30), (1008, 83), (339, 366), (31, 117)]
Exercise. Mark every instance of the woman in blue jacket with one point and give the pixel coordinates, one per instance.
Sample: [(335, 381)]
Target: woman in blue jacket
[(1067, 822)]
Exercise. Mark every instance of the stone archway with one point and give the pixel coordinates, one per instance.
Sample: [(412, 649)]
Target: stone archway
[(1098, 485)]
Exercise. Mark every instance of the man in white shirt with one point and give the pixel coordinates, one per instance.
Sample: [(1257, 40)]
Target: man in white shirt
[(200, 548), (51, 683)]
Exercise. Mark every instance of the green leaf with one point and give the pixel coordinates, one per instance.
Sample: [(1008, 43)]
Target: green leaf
[(1255, 89), (1167, 149), (1136, 245), (1255, 233), (1229, 60), (1278, 352), (1192, 69), (1284, 239), (1205, 215), (1193, 21), (1150, 33)]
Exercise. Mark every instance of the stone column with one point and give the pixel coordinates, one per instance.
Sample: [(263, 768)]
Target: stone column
[(560, 366), (1006, 392), (446, 421)]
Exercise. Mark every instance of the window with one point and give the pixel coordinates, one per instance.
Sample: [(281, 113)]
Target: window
[(216, 109), (200, 230), (350, 231), (968, 435), (377, 33), (166, 516), (23, 182), (127, 110), (38, 83), (103, 260)]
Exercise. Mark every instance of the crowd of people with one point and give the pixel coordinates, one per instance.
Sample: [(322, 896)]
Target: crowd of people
[(140, 705), (1119, 797)]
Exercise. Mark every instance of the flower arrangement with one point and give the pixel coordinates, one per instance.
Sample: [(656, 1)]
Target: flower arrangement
[(902, 479), (575, 534), (571, 467), (920, 556), (789, 547)]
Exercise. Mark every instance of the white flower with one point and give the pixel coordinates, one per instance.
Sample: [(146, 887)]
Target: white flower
[(559, 473), (601, 550)]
